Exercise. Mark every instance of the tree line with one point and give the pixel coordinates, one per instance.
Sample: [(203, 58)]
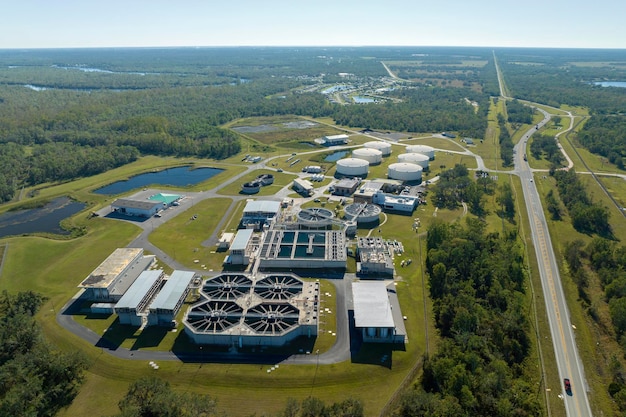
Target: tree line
[(587, 216), (607, 260), (476, 282), (154, 397), (35, 379), (604, 135)]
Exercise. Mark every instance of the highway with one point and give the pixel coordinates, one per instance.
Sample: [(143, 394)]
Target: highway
[(564, 342)]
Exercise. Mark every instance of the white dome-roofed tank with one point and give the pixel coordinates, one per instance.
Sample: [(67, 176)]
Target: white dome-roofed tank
[(352, 167), (415, 158), (384, 147), (405, 171), (423, 149), (373, 156)]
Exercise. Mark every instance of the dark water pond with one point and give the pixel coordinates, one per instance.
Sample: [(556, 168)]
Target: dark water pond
[(179, 177), (335, 156), (44, 219)]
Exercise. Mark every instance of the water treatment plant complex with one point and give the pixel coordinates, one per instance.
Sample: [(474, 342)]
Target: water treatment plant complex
[(260, 298)]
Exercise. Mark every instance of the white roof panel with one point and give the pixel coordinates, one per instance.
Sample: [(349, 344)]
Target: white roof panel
[(241, 239), (371, 304), (263, 206), (174, 288), (133, 296)]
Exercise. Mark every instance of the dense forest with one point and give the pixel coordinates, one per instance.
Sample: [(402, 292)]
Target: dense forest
[(71, 113), (35, 380), (606, 260), (476, 281), (606, 135), (565, 76), (587, 216), (422, 110)]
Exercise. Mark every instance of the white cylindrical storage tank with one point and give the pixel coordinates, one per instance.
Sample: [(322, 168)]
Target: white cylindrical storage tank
[(373, 156), (405, 171), (423, 149), (384, 147), (352, 167), (415, 158)]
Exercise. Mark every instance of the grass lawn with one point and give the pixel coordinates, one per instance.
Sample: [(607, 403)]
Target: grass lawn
[(182, 236), (280, 180)]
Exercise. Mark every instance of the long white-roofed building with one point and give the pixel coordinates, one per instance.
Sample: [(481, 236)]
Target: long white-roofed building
[(377, 314), (258, 212), (131, 307), (110, 280), (170, 299)]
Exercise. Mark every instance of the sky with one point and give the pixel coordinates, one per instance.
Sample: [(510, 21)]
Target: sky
[(154, 23)]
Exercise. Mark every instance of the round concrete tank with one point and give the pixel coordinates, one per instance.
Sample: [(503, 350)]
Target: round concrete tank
[(423, 149), (415, 158), (352, 167), (252, 187), (384, 147), (405, 172), (373, 156), (362, 212)]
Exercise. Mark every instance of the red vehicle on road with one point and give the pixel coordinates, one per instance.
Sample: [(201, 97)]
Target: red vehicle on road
[(568, 386)]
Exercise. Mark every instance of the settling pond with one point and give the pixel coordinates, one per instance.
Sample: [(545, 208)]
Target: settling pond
[(335, 156), (178, 177), (44, 219)]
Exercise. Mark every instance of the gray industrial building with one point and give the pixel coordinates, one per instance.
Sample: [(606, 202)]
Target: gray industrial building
[(241, 310), (240, 250), (131, 308), (110, 280), (346, 186), (303, 187), (136, 208), (258, 212), (310, 249), (168, 302), (377, 314), (375, 258)]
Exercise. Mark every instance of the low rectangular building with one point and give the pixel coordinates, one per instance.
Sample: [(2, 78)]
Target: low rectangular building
[(346, 186), (374, 258), (225, 240), (402, 203), (240, 252), (132, 305), (137, 208), (334, 140), (303, 187), (258, 212), (374, 316), (110, 280), (170, 299)]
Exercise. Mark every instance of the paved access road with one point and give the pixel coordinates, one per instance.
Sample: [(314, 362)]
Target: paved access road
[(568, 361)]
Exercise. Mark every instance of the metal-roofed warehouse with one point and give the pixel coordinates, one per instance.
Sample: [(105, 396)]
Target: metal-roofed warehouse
[(377, 313), (258, 212), (110, 280), (131, 306), (137, 208), (170, 299)]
